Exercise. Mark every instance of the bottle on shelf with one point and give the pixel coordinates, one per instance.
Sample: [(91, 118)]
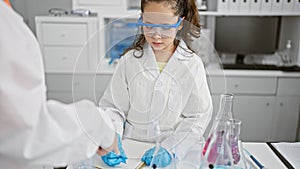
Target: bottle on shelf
[(285, 54)]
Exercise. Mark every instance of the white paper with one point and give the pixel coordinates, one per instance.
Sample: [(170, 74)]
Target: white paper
[(277, 6), (290, 151), (266, 6), (223, 5), (287, 6), (255, 6), (244, 6), (296, 6), (234, 5)]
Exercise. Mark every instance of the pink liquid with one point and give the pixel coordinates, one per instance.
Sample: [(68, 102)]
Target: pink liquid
[(216, 148)]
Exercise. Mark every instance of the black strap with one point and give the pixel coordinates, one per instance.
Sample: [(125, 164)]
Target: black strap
[(61, 168), (285, 162)]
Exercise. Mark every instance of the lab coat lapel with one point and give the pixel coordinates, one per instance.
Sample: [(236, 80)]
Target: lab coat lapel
[(164, 82), (174, 66), (150, 61), (158, 101)]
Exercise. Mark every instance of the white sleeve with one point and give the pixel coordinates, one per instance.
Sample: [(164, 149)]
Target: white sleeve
[(32, 130), (115, 100), (195, 116)]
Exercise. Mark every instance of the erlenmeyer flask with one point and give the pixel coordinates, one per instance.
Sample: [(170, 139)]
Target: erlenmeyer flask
[(223, 149), (218, 152), (224, 113), (225, 109)]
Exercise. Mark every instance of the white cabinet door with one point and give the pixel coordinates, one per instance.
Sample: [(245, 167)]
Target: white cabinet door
[(68, 88), (286, 118), (65, 58), (256, 114), (74, 34), (67, 42)]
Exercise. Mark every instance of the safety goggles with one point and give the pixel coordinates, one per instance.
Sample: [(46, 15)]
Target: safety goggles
[(164, 30)]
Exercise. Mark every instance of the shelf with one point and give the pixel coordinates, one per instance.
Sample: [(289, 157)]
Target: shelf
[(215, 13), (132, 14)]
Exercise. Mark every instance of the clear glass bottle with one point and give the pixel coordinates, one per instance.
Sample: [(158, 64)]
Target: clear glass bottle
[(288, 48), (285, 54), (159, 133)]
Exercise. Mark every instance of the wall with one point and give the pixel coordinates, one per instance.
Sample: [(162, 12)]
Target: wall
[(31, 8)]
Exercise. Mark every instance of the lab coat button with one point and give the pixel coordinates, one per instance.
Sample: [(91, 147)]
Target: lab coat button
[(158, 84)]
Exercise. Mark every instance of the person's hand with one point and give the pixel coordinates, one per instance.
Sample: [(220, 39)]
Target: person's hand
[(116, 156), (162, 159), (114, 147)]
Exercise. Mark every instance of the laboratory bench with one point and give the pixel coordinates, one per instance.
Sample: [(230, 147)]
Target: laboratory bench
[(135, 150)]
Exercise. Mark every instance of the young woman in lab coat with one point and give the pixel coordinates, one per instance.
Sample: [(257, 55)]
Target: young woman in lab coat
[(35, 133), (160, 80)]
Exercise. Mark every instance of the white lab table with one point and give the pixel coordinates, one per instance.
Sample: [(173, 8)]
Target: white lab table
[(134, 151), (264, 154)]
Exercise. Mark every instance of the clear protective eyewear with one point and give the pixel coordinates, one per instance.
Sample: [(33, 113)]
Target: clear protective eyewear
[(164, 30)]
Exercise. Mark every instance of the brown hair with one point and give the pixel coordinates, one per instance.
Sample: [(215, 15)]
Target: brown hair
[(183, 8)]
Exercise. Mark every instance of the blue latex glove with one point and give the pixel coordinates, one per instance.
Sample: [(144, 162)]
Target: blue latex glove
[(162, 159), (113, 159)]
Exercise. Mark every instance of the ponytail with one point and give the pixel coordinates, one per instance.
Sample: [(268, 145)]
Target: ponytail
[(192, 26)]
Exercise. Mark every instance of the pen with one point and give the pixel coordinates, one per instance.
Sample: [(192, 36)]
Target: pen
[(255, 160), (141, 165)]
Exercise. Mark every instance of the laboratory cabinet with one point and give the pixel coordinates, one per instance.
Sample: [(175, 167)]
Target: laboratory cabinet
[(256, 114), (69, 87), (267, 105), (68, 43), (271, 115), (265, 118), (285, 119)]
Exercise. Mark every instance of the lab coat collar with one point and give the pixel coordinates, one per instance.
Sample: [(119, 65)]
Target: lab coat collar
[(181, 53), (150, 61)]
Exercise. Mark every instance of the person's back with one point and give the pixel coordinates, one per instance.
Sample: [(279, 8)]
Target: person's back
[(34, 132)]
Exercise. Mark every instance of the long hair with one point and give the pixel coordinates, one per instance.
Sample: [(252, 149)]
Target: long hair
[(183, 8)]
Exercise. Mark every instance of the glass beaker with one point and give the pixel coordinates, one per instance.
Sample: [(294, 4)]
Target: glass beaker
[(192, 158), (236, 146), (162, 132)]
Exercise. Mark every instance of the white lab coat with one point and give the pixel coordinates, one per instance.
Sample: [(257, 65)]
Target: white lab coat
[(34, 132), (178, 96)]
